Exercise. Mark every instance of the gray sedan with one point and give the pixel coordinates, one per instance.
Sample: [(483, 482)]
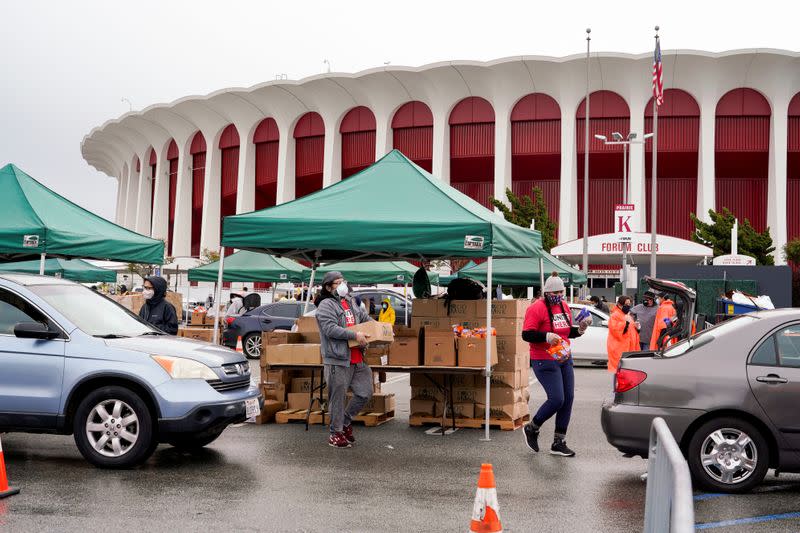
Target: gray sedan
[(729, 394)]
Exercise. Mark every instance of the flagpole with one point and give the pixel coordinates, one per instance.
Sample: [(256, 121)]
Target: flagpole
[(654, 187), (586, 169)]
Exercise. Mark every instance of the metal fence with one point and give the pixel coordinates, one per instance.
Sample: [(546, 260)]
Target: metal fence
[(669, 506)]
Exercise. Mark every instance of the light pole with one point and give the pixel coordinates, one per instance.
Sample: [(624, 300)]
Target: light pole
[(619, 139)]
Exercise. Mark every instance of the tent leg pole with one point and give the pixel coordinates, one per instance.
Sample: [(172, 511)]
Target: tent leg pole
[(310, 284), (572, 294), (218, 296), (541, 276), (405, 294), (41, 264), (488, 369)]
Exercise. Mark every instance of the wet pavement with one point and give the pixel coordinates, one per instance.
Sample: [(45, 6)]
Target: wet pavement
[(397, 478)]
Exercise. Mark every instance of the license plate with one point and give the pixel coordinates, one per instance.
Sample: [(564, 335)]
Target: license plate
[(251, 407)]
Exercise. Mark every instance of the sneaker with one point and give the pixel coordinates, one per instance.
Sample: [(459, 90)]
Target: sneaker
[(338, 440), (560, 447), (531, 437), (347, 431)]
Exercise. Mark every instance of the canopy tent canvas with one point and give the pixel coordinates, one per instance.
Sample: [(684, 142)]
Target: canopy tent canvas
[(373, 272), (73, 269), (245, 266), (37, 221), (391, 210), (525, 272)]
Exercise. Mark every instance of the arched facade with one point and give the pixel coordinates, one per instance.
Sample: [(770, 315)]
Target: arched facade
[(608, 113), (198, 153), (472, 148), (358, 140), (412, 133), (536, 149), (678, 144), (229, 174), (172, 173), (741, 157), (266, 139), (309, 138), (793, 170)]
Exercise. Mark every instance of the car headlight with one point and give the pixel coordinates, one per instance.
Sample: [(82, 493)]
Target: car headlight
[(181, 368)]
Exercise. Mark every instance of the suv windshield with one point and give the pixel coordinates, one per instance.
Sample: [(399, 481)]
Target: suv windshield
[(93, 313), (707, 335)]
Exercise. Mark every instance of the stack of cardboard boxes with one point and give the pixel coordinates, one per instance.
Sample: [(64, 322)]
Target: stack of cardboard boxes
[(509, 384)]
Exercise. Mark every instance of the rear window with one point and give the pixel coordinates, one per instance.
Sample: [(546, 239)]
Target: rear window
[(708, 335)]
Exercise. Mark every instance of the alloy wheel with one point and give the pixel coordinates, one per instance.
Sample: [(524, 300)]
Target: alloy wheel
[(729, 456), (112, 428)]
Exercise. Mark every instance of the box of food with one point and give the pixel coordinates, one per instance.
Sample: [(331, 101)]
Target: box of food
[(439, 348), (426, 393), (466, 394), (507, 326), (274, 391), (298, 400), (440, 323), (378, 333), (280, 336), (462, 309), (510, 411), (507, 363), (377, 355), (293, 354), (308, 327), (429, 307), (268, 411), (197, 318), (472, 351), (505, 395), (461, 410), (512, 345), (305, 384), (420, 407), (464, 380), (405, 350), (515, 379), (506, 308), (418, 379), (381, 402), (200, 334)]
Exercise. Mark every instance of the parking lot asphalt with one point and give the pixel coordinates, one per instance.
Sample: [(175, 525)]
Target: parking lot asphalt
[(397, 478)]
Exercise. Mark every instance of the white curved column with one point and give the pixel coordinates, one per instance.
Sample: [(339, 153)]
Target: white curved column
[(502, 153), (636, 162), (246, 183), (132, 200), (209, 231), (706, 170), (332, 158), (441, 145), (160, 216), (568, 189), (122, 198), (182, 231), (383, 135), (776, 195), (286, 167)]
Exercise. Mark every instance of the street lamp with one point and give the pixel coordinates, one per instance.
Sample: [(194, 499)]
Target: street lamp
[(619, 139)]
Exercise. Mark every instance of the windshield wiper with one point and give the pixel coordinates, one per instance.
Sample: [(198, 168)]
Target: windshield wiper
[(112, 336), (152, 333)]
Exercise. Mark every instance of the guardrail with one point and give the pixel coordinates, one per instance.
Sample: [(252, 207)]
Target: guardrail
[(669, 506)]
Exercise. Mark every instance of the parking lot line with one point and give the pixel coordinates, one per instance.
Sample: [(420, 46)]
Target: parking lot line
[(750, 520)]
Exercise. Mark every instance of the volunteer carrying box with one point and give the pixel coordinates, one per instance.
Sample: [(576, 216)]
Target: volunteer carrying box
[(472, 351), (377, 333)]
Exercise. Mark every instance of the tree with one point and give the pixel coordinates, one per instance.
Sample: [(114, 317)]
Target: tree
[(524, 209), (717, 235), (208, 256)]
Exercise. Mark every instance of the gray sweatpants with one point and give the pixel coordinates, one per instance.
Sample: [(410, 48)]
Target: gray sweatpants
[(340, 378)]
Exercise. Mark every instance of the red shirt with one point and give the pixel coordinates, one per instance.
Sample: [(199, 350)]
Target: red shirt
[(538, 319), (350, 320)]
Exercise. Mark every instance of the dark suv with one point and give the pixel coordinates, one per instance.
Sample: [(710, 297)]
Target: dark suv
[(250, 325)]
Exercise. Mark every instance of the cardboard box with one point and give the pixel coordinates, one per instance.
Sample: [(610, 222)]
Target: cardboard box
[(378, 333), (511, 411), (293, 354), (134, 302), (274, 391), (426, 380), (268, 411), (512, 345), (464, 380), (509, 363), (506, 309), (305, 384), (298, 400), (276, 376), (197, 319), (440, 348), (429, 307), (431, 323), (405, 351), (506, 395), (377, 356), (463, 309), (516, 379), (461, 410), (200, 334), (381, 402), (507, 326), (309, 329), (272, 338), (472, 351), (466, 394), (422, 407), (426, 393)]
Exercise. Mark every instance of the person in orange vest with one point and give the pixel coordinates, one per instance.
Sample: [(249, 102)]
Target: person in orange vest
[(623, 332), (666, 309)]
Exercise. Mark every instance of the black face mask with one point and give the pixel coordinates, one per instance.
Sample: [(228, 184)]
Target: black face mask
[(626, 309), (648, 303)]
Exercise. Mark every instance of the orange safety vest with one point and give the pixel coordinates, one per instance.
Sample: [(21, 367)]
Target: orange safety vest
[(619, 340), (665, 310)]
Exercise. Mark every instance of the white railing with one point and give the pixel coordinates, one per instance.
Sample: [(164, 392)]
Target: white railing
[(669, 506)]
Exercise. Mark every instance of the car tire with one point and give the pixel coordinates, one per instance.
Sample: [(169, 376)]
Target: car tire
[(194, 441), (736, 455), (114, 408), (251, 345)]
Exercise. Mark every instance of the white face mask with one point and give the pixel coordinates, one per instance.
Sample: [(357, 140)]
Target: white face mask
[(148, 293), (342, 289)]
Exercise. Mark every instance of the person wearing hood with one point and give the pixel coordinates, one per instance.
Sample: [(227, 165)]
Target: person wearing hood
[(666, 310), (548, 326), (157, 311), (387, 312), (344, 367), (623, 332), (645, 314)]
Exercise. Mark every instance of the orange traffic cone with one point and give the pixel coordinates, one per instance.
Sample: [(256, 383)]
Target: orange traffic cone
[(5, 490), (484, 514), (239, 347)]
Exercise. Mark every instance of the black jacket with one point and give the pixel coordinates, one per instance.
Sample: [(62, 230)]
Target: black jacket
[(157, 311)]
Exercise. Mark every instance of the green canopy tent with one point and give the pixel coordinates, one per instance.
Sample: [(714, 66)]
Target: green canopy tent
[(37, 222), (391, 210), (250, 266), (525, 272), (74, 269)]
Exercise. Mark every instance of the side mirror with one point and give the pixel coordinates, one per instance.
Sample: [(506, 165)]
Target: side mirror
[(34, 330)]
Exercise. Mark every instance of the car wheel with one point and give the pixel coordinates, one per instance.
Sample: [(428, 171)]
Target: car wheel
[(194, 441), (113, 428), (252, 345), (728, 455)]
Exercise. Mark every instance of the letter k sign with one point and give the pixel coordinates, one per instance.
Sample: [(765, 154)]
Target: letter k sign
[(622, 224)]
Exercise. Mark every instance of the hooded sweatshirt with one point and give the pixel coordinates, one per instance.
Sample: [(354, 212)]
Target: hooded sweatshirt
[(388, 315), (157, 311)]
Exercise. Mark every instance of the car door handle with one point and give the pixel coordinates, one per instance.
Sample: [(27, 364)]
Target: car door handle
[(771, 378)]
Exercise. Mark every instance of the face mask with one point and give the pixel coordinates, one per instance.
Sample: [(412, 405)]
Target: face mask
[(648, 303), (554, 299), (658, 301), (148, 294), (342, 289), (626, 309), (384, 307)]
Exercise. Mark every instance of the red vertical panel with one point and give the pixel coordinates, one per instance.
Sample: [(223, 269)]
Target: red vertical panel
[(536, 137), (472, 140), (746, 198), (793, 173), (229, 179), (677, 197), (742, 134), (604, 194), (416, 143), (266, 174), (173, 189), (601, 126), (551, 189), (358, 151), (309, 155), (480, 191), (675, 134), (198, 186)]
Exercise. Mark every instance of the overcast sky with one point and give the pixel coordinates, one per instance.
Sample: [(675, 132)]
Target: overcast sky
[(67, 65)]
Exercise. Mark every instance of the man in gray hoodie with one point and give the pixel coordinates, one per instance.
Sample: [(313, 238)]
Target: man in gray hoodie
[(344, 366), (645, 314)]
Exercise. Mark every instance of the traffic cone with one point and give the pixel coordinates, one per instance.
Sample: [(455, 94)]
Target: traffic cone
[(239, 347), (484, 513), (5, 490)]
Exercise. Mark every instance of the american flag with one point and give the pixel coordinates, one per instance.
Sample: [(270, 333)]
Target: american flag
[(658, 75)]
